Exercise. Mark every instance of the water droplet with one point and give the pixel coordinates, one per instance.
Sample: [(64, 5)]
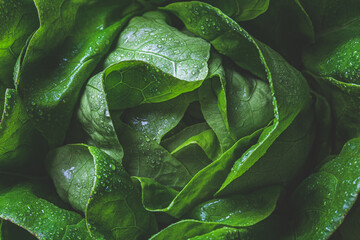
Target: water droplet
[(112, 166)]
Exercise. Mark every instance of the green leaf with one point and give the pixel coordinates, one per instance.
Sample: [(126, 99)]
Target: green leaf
[(196, 146), (18, 20), (156, 120), (240, 210), (154, 195), (96, 184), (204, 143), (131, 83), (23, 206), (122, 86), (213, 101), (173, 142), (284, 160), (143, 157), (246, 94), (289, 88), (224, 101), (333, 61), (95, 118), (336, 53), (20, 143), (323, 199), (221, 233), (66, 49), (151, 39), (186, 229), (75, 180), (271, 229), (222, 32), (201, 187), (241, 10)]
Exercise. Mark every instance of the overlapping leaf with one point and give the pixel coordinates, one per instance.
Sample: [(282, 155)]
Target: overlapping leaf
[(97, 185)]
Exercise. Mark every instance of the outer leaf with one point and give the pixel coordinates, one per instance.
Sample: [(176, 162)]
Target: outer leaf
[(221, 233), (151, 39), (336, 53), (96, 184), (186, 229), (324, 198), (73, 174), (20, 143), (229, 39), (63, 50), (334, 63), (22, 206), (270, 228), (241, 10), (18, 20), (238, 210)]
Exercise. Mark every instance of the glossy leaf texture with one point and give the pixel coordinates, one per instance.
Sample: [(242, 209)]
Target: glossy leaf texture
[(187, 229), (285, 159), (238, 210), (221, 233), (93, 183), (227, 95), (156, 120), (107, 130), (150, 38), (193, 229), (25, 206), (18, 20), (323, 199), (20, 143), (146, 158), (230, 39), (64, 32), (241, 10), (200, 188), (165, 119), (333, 61)]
